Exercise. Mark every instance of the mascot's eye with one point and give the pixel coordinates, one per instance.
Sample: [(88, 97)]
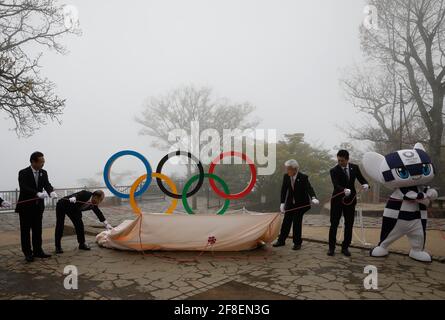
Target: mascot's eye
[(426, 169), (402, 173)]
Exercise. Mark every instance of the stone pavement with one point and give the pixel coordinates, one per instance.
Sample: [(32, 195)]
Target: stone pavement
[(265, 273), (304, 274), (315, 227)]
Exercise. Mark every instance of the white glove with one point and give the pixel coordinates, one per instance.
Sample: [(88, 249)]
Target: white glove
[(6, 204), (282, 208), (365, 187), (432, 194), (107, 225), (72, 199), (347, 192), (53, 195), (42, 195), (315, 201)]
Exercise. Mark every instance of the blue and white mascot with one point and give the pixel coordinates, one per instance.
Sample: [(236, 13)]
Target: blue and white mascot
[(407, 172)]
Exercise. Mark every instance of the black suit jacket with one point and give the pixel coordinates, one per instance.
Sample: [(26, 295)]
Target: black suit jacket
[(301, 194), (340, 181), (28, 190), (1, 201), (82, 197)]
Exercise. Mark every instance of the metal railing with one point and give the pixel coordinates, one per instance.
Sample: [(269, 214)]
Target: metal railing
[(13, 195)]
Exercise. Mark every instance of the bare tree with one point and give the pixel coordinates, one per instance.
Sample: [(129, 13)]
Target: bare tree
[(391, 114), (410, 37), (26, 96), (181, 106)]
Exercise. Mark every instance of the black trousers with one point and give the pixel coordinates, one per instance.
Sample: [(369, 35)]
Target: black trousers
[(337, 209), (76, 219), (31, 220), (292, 219)]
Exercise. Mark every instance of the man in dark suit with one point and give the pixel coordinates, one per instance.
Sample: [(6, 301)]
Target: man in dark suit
[(297, 195), (343, 177), (34, 188), (73, 206), (4, 203)]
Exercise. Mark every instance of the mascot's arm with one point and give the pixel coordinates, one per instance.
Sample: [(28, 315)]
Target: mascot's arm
[(412, 195), (420, 197)]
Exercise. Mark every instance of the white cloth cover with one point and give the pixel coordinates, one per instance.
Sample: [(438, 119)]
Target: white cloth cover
[(232, 232)]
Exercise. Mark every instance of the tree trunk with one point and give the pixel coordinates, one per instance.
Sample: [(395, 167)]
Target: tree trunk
[(436, 155), (435, 143)]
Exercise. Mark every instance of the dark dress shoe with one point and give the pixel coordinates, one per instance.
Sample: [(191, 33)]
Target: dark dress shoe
[(296, 247), (84, 246), (42, 255), (59, 250), (331, 253), (29, 258), (346, 252), (278, 244)]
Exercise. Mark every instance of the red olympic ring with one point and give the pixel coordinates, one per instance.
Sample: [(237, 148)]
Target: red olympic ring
[(252, 172)]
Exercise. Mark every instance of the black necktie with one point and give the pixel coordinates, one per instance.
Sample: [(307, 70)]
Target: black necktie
[(36, 178), (346, 172)]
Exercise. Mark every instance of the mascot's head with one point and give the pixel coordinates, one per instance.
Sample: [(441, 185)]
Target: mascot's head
[(403, 168)]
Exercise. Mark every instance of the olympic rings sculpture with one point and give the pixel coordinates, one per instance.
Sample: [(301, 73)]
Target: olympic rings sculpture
[(173, 192)]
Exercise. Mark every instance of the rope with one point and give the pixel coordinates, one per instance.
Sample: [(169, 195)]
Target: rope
[(353, 198), (329, 199), (210, 243), (361, 241), (37, 198)]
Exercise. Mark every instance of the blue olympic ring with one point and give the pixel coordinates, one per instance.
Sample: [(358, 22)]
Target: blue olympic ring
[(110, 162)]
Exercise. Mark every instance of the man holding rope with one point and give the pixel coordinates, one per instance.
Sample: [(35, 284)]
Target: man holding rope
[(343, 200), (297, 195), (34, 188), (73, 206)]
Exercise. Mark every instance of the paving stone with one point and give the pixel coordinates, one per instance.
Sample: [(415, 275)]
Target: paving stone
[(303, 281), (258, 273), (106, 285), (186, 289), (143, 281), (333, 286), (309, 274), (122, 283), (332, 294), (94, 295), (437, 275), (212, 279), (161, 284), (371, 295), (288, 278), (328, 276), (164, 294)]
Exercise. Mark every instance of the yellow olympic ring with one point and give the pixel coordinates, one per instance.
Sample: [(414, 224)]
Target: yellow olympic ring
[(138, 181)]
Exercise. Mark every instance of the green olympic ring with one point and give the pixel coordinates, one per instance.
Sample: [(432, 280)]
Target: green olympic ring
[(206, 175)]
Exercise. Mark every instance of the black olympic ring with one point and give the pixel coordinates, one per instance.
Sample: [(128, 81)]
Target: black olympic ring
[(192, 157)]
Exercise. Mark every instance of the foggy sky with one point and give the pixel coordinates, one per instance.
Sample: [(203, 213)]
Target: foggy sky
[(284, 57)]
